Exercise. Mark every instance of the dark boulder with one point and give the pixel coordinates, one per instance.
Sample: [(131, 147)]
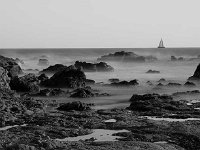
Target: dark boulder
[(196, 75), (155, 103), (126, 57), (126, 83), (53, 69), (11, 66), (69, 78), (27, 83), (152, 71), (162, 80), (93, 67), (82, 93), (173, 58), (77, 106)]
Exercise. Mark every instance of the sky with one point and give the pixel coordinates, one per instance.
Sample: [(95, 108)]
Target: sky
[(99, 23)]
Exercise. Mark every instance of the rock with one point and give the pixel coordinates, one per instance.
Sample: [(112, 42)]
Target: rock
[(69, 78), (43, 77), (89, 81), (122, 56), (190, 84), (78, 106), (11, 66), (162, 80), (93, 67), (19, 61), (196, 75), (43, 62), (4, 79), (53, 69), (52, 92), (174, 84), (126, 57), (113, 80), (126, 83), (173, 58), (160, 84), (152, 71), (27, 83), (155, 103), (82, 93)]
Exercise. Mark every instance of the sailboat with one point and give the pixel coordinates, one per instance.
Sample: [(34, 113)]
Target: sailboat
[(161, 45)]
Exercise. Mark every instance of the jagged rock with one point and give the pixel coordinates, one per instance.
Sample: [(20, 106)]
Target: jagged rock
[(69, 78), (27, 83), (11, 66), (93, 67), (126, 83), (78, 106), (43, 62), (126, 57), (82, 93), (196, 75), (4, 79), (189, 84), (53, 69), (152, 71)]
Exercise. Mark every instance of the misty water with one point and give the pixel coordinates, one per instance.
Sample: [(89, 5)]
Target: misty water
[(177, 71)]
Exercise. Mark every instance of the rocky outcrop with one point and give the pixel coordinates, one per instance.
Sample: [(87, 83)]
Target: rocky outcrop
[(51, 92), (53, 69), (89, 81), (11, 66), (114, 80), (93, 67), (27, 83), (43, 77), (174, 58), (4, 79), (68, 78), (43, 62), (125, 83), (156, 103), (196, 75), (78, 106), (82, 93), (153, 71), (126, 57)]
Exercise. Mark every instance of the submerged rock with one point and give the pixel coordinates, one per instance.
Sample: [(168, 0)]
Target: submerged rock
[(68, 77), (53, 69), (78, 106), (27, 83), (43, 62), (114, 80), (93, 67), (11, 66), (52, 92)]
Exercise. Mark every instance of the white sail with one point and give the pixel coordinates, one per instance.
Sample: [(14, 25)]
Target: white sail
[(161, 45)]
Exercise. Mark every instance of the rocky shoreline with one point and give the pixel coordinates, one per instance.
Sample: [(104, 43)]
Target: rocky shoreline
[(28, 123)]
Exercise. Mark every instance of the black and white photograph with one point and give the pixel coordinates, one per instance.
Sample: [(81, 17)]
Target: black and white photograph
[(99, 75)]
